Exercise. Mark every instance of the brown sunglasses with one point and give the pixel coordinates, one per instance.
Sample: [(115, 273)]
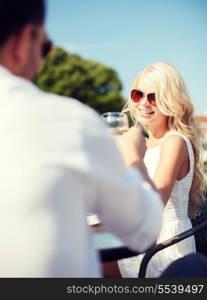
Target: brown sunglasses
[(137, 95), (46, 48), (46, 45)]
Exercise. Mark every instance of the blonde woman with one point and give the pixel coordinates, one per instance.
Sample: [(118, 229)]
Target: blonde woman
[(160, 103)]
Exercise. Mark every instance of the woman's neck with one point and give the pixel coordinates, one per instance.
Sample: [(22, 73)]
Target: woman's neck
[(156, 135)]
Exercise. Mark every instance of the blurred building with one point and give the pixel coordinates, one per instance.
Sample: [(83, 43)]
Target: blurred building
[(202, 124)]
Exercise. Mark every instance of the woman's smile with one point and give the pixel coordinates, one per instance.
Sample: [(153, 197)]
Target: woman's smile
[(145, 113)]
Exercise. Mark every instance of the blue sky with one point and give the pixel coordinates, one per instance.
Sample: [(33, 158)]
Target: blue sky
[(127, 35)]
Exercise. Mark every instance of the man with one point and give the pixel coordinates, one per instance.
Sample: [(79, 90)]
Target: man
[(57, 162)]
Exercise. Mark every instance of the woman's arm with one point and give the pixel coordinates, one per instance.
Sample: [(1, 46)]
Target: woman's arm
[(173, 165)]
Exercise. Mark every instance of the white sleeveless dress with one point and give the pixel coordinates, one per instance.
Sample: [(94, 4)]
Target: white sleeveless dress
[(175, 220)]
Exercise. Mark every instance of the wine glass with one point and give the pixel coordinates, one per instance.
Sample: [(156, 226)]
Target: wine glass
[(117, 122)]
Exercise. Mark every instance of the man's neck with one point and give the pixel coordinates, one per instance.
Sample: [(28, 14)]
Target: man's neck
[(6, 58)]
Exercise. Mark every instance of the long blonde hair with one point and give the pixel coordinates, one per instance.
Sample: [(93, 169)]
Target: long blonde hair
[(173, 101)]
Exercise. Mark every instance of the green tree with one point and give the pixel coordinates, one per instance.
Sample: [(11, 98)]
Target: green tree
[(92, 83)]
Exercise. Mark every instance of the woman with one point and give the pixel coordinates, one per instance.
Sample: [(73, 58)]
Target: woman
[(160, 103)]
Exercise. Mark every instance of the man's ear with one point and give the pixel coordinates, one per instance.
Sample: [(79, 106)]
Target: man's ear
[(22, 44)]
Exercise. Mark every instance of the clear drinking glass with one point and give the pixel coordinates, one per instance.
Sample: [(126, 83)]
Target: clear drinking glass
[(117, 122)]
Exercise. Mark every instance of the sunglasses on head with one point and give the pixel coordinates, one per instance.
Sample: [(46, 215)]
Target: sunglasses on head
[(46, 48), (137, 95)]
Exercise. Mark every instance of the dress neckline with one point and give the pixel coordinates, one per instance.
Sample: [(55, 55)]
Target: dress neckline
[(158, 145), (151, 148)]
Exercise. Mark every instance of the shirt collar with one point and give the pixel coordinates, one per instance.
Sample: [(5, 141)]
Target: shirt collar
[(4, 70)]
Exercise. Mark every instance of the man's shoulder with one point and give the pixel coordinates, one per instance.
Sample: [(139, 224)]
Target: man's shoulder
[(27, 90), (41, 105), (67, 106)]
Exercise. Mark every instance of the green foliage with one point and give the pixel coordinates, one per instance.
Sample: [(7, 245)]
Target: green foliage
[(204, 171), (92, 83), (204, 166)]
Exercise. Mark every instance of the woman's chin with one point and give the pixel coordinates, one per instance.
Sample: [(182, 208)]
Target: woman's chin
[(145, 121)]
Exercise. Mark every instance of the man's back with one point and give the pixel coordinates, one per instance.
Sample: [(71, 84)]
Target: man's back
[(42, 202), (58, 163)]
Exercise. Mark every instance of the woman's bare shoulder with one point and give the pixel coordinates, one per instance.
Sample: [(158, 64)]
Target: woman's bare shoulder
[(174, 143)]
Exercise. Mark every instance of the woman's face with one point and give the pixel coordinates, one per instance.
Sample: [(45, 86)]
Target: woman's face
[(147, 112)]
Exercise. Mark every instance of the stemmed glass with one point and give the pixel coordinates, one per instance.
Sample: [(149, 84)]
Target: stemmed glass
[(117, 122)]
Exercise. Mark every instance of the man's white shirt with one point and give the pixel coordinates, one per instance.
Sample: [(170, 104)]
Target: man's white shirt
[(57, 163)]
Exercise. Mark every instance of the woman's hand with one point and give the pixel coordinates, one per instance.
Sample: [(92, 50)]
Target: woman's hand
[(132, 145)]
